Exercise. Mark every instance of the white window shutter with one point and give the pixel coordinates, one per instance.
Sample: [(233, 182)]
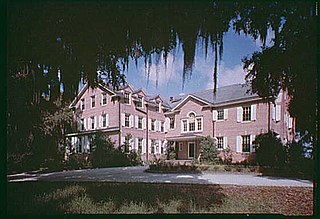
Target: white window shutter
[(160, 145), (253, 112), (136, 144), (279, 97), (252, 138), (290, 122), (167, 124), (122, 119), (225, 142), (95, 122), (214, 115), (181, 126), (144, 146), (131, 121), (131, 143), (273, 112), (278, 113), (239, 114), (149, 124), (99, 121), (149, 146), (107, 120), (85, 123), (239, 144), (156, 125), (136, 121), (123, 139), (225, 113), (144, 123)]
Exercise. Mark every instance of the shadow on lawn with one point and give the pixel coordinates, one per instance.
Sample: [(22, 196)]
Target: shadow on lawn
[(54, 198)]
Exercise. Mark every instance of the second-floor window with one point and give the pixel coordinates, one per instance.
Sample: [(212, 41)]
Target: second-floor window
[(185, 126), (92, 122), (104, 99), (81, 124), (172, 122), (220, 143), (140, 122), (104, 120), (153, 121), (246, 113), (126, 99), (93, 101), (82, 104), (220, 114), (199, 124), (246, 143), (127, 120)]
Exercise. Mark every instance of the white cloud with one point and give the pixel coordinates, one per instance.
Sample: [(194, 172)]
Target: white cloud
[(228, 75)]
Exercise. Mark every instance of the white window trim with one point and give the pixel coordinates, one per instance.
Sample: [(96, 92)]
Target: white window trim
[(102, 104), (84, 104), (196, 125)]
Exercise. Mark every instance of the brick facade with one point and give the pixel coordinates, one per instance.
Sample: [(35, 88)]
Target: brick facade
[(147, 120)]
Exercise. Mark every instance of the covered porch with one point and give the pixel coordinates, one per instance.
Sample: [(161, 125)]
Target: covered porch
[(187, 147)]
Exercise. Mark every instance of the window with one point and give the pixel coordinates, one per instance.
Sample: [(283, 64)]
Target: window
[(92, 122), (162, 126), (180, 146), (139, 101), (153, 144), (127, 120), (139, 145), (140, 122), (81, 124), (172, 122), (185, 127), (104, 120), (220, 114), (93, 101), (246, 115), (199, 124), (153, 121), (220, 143), (192, 126), (246, 143), (104, 99), (126, 97), (82, 104)]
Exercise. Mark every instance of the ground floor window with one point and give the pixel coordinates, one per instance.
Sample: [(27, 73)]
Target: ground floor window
[(180, 146), (140, 145), (246, 143), (220, 143)]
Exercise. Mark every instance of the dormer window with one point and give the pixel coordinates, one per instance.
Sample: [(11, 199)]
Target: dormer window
[(126, 98), (82, 105), (93, 101), (139, 101), (104, 99)]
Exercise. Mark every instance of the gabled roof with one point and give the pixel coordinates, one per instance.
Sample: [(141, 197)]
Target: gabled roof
[(226, 94), (139, 90), (83, 90), (187, 98)]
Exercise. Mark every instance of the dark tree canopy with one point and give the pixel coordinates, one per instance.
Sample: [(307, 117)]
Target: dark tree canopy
[(80, 38)]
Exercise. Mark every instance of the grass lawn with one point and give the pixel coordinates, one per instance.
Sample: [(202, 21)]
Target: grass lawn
[(115, 198)]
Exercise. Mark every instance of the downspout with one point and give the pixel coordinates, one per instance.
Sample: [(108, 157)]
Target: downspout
[(147, 133), (120, 125)]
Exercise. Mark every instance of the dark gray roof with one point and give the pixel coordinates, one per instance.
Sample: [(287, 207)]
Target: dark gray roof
[(223, 94)]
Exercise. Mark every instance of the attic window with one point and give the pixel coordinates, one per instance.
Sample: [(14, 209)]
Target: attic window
[(126, 98), (139, 101)]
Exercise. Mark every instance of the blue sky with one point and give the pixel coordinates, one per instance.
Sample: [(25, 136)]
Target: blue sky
[(230, 69)]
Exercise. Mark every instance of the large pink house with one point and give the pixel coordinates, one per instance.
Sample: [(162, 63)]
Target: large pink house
[(233, 116)]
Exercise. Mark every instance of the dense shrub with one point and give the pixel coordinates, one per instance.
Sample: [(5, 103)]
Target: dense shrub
[(171, 153), (104, 154), (77, 161), (208, 151), (269, 150)]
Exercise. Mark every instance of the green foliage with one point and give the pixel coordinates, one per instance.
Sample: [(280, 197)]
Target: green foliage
[(104, 154), (208, 151), (227, 155), (171, 153), (269, 150)]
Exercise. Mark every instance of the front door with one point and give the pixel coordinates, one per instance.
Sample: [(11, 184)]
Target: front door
[(191, 150)]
